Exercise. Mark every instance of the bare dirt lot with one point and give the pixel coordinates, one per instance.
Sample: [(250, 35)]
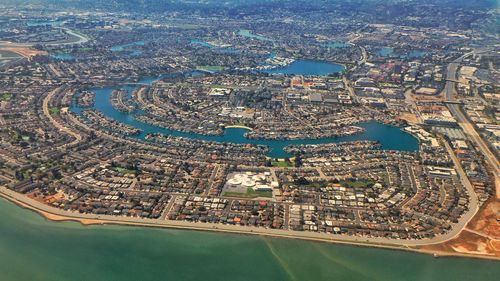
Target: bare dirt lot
[(481, 237)]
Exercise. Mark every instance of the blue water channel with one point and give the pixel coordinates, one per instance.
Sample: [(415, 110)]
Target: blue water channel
[(120, 48), (132, 52), (39, 22), (307, 68), (390, 137), (337, 45), (389, 52), (63, 56), (247, 33)]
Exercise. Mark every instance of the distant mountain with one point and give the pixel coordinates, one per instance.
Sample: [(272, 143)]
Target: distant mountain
[(245, 6)]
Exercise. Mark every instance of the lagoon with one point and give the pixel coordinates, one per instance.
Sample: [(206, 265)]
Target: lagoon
[(337, 45), (385, 51), (390, 137), (249, 34), (203, 43), (121, 48), (307, 68), (40, 22), (414, 54), (63, 56), (129, 47), (389, 52)]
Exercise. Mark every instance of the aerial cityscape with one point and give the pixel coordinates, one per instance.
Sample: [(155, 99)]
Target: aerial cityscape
[(348, 130)]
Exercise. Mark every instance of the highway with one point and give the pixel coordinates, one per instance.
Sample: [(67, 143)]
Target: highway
[(77, 39), (466, 125)]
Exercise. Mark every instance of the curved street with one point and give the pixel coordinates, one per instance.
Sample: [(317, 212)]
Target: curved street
[(46, 111)]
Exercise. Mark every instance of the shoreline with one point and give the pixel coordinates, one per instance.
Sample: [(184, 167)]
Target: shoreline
[(89, 219), (238, 127)]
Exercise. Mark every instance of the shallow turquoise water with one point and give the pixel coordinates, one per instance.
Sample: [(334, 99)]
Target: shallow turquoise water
[(32, 248)]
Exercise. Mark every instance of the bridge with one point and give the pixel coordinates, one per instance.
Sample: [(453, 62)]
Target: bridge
[(453, 102), (136, 84)]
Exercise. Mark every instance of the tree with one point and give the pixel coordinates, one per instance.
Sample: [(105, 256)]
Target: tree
[(56, 174), (298, 161), (19, 175), (302, 181)]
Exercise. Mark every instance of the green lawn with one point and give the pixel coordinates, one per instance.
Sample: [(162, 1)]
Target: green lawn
[(211, 68), (357, 184), (315, 184), (5, 97), (282, 164), (54, 110), (249, 194), (123, 170), (27, 173), (84, 50)]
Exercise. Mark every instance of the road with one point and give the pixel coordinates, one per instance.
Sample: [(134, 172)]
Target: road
[(167, 208), (46, 111), (212, 179), (81, 38), (350, 89), (77, 39), (373, 241), (469, 129), (473, 200), (466, 125), (364, 56), (451, 76)]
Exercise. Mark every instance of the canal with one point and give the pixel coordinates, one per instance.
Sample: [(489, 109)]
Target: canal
[(390, 137)]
